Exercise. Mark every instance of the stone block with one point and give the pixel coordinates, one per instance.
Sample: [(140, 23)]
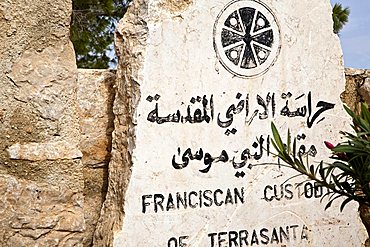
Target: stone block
[(198, 85)]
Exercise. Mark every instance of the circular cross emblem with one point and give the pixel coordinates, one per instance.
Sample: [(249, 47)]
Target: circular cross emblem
[(246, 38)]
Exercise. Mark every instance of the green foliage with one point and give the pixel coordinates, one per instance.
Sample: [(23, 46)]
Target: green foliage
[(348, 176), (340, 17), (92, 30)]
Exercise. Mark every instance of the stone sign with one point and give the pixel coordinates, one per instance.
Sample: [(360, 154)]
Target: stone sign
[(199, 84)]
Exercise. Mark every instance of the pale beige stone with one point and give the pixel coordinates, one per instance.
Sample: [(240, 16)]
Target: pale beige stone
[(130, 52), (44, 151), (41, 174), (32, 213), (175, 6), (357, 87), (47, 81), (95, 95)]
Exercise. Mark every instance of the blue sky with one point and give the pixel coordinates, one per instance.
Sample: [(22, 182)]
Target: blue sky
[(355, 36)]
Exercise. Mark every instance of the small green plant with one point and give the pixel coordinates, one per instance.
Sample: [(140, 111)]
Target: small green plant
[(348, 176)]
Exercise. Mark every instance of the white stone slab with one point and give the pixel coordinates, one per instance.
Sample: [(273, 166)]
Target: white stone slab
[(205, 100)]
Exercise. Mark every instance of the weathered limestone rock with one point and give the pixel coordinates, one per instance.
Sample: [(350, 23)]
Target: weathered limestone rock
[(39, 214), (44, 151), (126, 99), (357, 87), (198, 83), (364, 90), (95, 97), (86, 180), (47, 82), (41, 174), (56, 124)]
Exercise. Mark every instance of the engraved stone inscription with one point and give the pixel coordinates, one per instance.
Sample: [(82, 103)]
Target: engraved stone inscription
[(246, 38), (200, 95)]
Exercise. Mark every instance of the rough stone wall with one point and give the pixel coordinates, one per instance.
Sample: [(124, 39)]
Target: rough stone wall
[(55, 131), (36, 212), (127, 97), (95, 96), (357, 87), (41, 176)]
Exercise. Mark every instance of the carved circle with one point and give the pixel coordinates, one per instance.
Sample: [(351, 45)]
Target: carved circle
[(246, 38)]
